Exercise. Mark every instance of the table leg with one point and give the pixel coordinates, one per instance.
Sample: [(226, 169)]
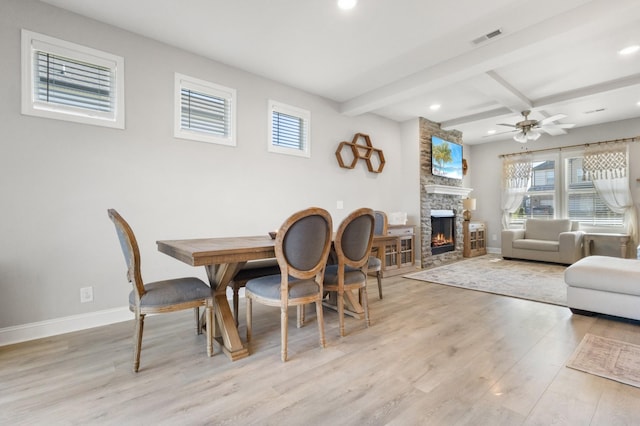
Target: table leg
[(352, 305), (219, 277)]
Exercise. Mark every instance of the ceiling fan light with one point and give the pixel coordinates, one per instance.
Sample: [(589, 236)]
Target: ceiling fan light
[(520, 137), (533, 135)]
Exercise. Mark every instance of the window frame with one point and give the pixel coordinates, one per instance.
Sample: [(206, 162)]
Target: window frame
[(209, 89), (302, 114), (561, 191), (33, 42)]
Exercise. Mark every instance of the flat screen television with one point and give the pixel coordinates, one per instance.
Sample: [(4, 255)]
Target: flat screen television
[(446, 158)]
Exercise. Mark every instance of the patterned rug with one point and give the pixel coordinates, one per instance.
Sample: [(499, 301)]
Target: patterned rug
[(541, 282), (608, 358)]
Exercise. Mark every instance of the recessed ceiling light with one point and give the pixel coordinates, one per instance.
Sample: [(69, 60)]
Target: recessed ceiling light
[(629, 50), (347, 4), (434, 107), (491, 132), (638, 103)]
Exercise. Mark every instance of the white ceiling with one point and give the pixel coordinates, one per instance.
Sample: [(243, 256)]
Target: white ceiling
[(395, 58)]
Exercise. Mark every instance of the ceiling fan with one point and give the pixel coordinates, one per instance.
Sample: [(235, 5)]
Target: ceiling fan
[(529, 130)]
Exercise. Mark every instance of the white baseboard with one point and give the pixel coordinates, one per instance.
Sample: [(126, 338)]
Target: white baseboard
[(53, 327), (38, 330)]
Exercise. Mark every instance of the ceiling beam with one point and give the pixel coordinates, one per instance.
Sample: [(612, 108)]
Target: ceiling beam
[(578, 23)]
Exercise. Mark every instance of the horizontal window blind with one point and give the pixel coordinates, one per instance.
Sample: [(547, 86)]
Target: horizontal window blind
[(205, 113), (65, 81), (288, 131)]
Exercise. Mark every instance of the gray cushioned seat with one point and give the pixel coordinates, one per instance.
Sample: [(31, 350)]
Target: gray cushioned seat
[(374, 263), (351, 275), (269, 287), (171, 292)]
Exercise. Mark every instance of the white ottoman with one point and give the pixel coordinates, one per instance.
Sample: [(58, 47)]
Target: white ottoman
[(605, 285)]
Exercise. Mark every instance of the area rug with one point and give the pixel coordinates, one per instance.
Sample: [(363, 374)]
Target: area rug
[(537, 281), (608, 358)]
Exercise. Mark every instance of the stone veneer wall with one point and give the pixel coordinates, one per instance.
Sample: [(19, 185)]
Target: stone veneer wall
[(437, 201)]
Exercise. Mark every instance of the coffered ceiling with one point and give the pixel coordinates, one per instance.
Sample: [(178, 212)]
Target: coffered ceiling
[(397, 58)]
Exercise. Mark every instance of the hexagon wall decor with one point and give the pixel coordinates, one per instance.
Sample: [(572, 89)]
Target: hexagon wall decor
[(374, 157)]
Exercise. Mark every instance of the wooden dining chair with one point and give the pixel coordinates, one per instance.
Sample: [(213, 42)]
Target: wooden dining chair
[(302, 247), (352, 245), (160, 296), (375, 264)]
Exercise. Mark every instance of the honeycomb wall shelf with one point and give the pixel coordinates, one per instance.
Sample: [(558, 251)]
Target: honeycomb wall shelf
[(374, 157)]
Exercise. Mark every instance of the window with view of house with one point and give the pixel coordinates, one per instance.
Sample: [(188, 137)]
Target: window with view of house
[(559, 189), (67, 81)]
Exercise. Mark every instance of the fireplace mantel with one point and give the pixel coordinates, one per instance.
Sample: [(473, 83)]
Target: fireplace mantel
[(449, 190)]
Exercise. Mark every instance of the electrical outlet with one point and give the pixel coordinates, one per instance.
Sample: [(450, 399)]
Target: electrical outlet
[(86, 294)]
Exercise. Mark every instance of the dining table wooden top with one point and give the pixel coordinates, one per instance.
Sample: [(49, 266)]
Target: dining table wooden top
[(213, 251)]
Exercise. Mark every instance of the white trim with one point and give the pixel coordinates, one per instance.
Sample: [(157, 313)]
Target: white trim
[(40, 329), (442, 213), (450, 190)]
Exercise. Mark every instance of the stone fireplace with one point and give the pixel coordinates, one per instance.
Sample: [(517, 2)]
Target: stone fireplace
[(439, 197)]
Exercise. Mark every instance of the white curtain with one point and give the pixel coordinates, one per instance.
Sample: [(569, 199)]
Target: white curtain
[(516, 176), (607, 167)]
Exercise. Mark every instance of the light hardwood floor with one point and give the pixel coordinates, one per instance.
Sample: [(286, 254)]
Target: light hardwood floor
[(433, 355)]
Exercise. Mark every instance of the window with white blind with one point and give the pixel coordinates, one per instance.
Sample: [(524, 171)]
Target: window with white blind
[(289, 129), (204, 111), (583, 202), (67, 81)]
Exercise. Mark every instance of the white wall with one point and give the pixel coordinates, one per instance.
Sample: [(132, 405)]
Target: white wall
[(486, 167), (57, 179)]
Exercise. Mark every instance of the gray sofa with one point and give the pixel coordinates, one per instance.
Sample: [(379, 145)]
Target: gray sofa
[(546, 240)]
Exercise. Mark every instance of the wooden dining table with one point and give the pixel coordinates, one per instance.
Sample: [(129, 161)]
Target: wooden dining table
[(222, 258)]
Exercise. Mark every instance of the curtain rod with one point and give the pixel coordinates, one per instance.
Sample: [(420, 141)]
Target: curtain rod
[(560, 148)]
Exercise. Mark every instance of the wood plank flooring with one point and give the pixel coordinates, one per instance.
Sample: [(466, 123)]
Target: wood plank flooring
[(434, 355)]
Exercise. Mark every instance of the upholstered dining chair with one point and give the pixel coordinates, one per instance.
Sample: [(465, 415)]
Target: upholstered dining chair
[(375, 264), (302, 246), (160, 296), (352, 245)]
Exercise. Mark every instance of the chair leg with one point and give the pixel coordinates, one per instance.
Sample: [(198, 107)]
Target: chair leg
[(341, 312), (320, 317), (283, 333), (210, 326), (236, 296), (249, 309), (365, 303), (137, 341), (196, 311), (379, 276), (300, 310)]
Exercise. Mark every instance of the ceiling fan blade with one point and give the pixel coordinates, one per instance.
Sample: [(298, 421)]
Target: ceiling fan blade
[(552, 118), (500, 133), (553, 130), (508, 125), (566, 126)]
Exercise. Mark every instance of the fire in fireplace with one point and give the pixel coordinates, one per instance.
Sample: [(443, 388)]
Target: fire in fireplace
[(442, 231)]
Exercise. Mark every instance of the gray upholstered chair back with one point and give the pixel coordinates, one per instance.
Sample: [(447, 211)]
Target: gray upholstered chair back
[(303, 242), (381, 223), (354, 238), (130, 250)]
